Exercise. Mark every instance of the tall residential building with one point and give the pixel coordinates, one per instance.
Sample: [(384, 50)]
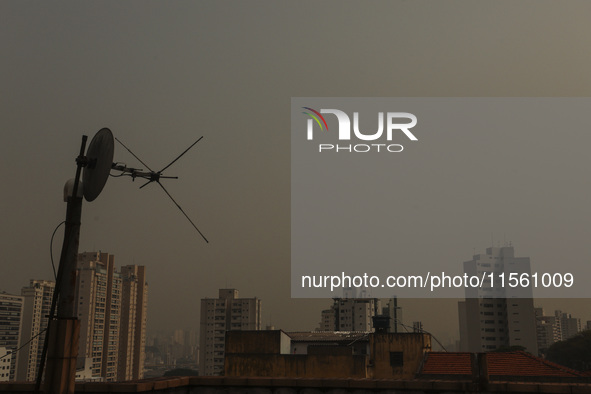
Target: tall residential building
[(547, 330), (111, 307), (134, 304), (36, 307), (569, 326), (184, 347), (218, 315), (327, 320), (5, 361), (10, 326), (356, 314), (98, 302), (350, 314), (493, 318)]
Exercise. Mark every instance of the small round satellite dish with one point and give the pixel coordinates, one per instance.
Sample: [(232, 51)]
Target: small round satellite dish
[(99, 157)]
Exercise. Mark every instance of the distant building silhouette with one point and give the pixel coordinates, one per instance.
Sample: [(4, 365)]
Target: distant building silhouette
[(558, 327), (355, 314), (569, 326), (547, 330), (218, 315), (184, 346), (493, 318), (350, 314)]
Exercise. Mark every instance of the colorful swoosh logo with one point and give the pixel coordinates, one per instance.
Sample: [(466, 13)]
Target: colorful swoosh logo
[(315, 115)]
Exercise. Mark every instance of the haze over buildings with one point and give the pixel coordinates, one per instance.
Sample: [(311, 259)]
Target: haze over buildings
[(164, 74), (166, 351), (111, 306)]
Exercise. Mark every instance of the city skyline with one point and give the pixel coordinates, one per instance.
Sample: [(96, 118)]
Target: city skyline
[(410, 316), (161, 75), (110, 305), (182, 347)]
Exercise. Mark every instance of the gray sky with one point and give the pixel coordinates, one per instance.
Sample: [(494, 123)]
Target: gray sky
[(161, 74)]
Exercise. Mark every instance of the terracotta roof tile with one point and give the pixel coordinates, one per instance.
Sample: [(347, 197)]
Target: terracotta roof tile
[(499, 364), (525, 364), (447, 364)]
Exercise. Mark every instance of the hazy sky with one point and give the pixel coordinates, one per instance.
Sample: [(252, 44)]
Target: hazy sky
[(162, 74)]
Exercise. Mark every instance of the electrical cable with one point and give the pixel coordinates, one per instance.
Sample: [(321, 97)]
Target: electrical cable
[(22, 346), (55, 276), (51, 250)]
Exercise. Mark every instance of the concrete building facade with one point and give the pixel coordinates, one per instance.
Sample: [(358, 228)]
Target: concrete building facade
[(5, 361), (11, 307), (350, 314), (268, 354), (36, 308), (569, 325), (356, 314), (98, 296), (495, 317), (134, 307), (228, 312), (111, 307), (547, 330)]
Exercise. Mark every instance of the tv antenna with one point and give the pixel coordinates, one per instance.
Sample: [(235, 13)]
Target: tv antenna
[(63, 328), (154, 176), (61, 340)]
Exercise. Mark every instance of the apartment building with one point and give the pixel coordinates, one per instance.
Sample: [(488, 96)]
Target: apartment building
[(111, 307), (37, 299), (10, 327), (228, 312), (495, 317), (134, 305)]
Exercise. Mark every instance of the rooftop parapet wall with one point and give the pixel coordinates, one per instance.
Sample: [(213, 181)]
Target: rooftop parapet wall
[(257, 342), (224, 385), (296, 366)]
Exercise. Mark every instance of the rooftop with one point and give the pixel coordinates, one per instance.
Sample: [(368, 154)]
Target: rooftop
[(221, 385), (515, 364)]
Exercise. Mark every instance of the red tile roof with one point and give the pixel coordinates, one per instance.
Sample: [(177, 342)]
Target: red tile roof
[(447, 364), (499, 364), (525, 364)]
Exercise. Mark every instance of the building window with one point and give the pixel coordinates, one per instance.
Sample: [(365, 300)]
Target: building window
[(396, 359)]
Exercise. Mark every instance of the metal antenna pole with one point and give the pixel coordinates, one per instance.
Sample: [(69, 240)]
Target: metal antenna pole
[(61, 339)]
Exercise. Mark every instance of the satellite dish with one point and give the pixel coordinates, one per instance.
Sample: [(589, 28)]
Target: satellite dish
[(99, 158)]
